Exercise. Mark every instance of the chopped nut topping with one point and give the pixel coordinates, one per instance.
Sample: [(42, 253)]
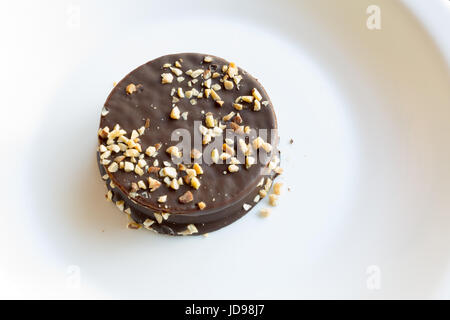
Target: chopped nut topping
[(165, 215), (249, 161), (278, 170), (176, 71), (233, 168), (262, 193), (113, 167), (232, 70), (215, 155), (220, 102), (195, 183), (138, 170), (273, 198), (120, 204), (264, 213), (103, 133), (248, 99), (184, 115), (201, 205), (128, 166), (109, 195), (131, 153), (198, 169), (105, 154), (191, 172), (195, 154), (258, 142), (191, 229), (175, 113), (207, 84), (130, 88), (216, 87), (229, 85), (257, 106), (243, 146), (174, 184), (166, 78), (267, 146), (173, 150), (256, 94), (142, 163), (153, 184), (277, 188), (238, 106), (196, 73), (104, 112), (246, 206), (140, 184), (214, 95), (150, 151), (158, 217), (169, 172), (207, 59), (237, 119), (180, 92), (228, 116), (162, 199), (209, 120), (148, 222), (186, 197)]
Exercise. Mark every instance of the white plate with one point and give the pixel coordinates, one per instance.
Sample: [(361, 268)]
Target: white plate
[(368, 214)]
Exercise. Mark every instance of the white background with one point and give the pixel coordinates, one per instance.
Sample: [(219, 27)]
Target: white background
[(368, 214)]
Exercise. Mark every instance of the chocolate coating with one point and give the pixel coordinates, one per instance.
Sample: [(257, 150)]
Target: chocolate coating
[(224, 194)]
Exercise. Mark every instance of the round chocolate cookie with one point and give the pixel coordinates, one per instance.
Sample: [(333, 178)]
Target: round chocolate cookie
[(187, 144)]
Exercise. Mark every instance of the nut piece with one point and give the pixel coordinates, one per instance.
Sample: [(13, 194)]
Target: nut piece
[(201, 205), (256, 94), (207, 59), (228, 116), (195, 154), (173, 150), (174, 184), (175, 113), (162, 199), (186, 197), (198, 169), (257, 106), (166, 78), (209, 120), (195, 183), (258, 142), (113, 167), (233, 168), (176, 71), (262, 193), (264, 213), (153, 184), (128, 166), (273, 198), (277, 188), (229, 85), (238, 106), (246, 206), (130, 88)]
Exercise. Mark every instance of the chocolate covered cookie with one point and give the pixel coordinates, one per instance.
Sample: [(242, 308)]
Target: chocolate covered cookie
[(187, 144)]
